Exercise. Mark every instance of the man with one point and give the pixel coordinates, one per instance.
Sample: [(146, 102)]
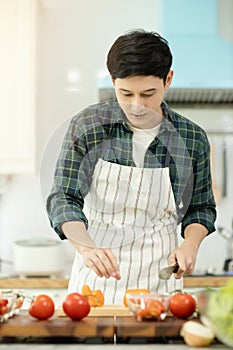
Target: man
[(130, 170)]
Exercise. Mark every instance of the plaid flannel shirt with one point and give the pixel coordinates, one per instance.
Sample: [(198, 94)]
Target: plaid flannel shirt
[(101, 130)]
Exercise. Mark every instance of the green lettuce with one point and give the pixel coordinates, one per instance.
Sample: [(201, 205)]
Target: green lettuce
[(220, 313)]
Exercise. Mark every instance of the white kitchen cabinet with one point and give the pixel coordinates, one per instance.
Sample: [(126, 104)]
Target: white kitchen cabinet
[(17, 85)]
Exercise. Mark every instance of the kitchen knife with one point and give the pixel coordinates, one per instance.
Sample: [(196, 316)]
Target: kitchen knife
[(166, 272)]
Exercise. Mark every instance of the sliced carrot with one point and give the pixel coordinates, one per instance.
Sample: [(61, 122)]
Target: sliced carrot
[(19, 303)]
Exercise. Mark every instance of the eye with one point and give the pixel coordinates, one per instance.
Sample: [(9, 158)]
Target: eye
[(127, 95), (147, 95)]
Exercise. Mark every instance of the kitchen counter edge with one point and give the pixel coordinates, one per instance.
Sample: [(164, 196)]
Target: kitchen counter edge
[(57, 283)]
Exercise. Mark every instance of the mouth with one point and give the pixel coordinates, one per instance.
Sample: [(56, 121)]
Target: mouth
[(138, 116)]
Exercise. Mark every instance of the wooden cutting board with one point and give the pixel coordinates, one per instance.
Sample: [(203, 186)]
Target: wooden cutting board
[(23, 325), (105, 310), (128, 327), (108, 327)]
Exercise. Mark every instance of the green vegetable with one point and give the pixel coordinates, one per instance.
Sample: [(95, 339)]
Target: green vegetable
[(220, 312)]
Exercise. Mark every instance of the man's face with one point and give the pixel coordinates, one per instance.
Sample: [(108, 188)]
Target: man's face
[(140, 98)]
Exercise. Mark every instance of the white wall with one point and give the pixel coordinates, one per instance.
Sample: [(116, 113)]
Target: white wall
[(73, 37)]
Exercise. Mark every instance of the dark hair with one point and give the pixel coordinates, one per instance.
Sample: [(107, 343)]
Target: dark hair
[(139, 53)]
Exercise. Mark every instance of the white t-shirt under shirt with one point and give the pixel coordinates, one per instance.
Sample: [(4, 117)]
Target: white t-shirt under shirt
[(142, 138)]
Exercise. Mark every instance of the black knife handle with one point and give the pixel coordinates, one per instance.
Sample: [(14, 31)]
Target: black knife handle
[(176, 268)]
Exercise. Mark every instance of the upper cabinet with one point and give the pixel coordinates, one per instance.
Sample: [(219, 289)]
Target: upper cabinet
[(200, 35), (17, 86)]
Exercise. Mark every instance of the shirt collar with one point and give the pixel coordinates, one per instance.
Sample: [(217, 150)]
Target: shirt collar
[(168, 120)]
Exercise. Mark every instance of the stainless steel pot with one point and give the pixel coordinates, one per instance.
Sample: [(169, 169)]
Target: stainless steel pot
[(37, 257)]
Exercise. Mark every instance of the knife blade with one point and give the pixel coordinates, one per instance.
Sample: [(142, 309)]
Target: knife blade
[(166, 272)]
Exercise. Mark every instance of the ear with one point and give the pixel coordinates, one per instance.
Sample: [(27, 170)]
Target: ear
[(169, 79), (113, 80)]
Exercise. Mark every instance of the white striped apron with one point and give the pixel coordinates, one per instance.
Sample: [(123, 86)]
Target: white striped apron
[(132, 211)]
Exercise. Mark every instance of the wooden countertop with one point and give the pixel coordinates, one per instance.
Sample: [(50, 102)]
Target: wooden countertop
[(205, 281), (57, 283)]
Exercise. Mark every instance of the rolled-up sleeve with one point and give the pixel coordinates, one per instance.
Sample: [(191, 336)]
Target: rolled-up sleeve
[(71, 180), (202, 208)]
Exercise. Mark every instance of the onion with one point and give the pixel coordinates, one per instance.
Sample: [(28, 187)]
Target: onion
[(196, 334)]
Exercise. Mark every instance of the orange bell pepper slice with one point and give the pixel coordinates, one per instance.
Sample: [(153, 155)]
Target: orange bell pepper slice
[(94, 297)]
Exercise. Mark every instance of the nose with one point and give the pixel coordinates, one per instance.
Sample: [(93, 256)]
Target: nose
[(138, 100), (137, 104)]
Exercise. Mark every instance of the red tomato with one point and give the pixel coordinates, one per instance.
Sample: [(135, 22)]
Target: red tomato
[(76, 306), (182, 305), (42, 307), (3, 306), (3, 302)]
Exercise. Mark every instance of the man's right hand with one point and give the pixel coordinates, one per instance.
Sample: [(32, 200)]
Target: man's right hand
[(101, 261)]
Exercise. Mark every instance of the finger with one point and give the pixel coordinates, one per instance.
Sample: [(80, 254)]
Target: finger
[(102, 264), (189, 271), (95, 269), (180, 272), (113, 268), (96, 260), (172, 260), (92, 265), (109, 261)]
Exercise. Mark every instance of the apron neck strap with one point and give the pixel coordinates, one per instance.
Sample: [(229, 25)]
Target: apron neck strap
[(168, 154)]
